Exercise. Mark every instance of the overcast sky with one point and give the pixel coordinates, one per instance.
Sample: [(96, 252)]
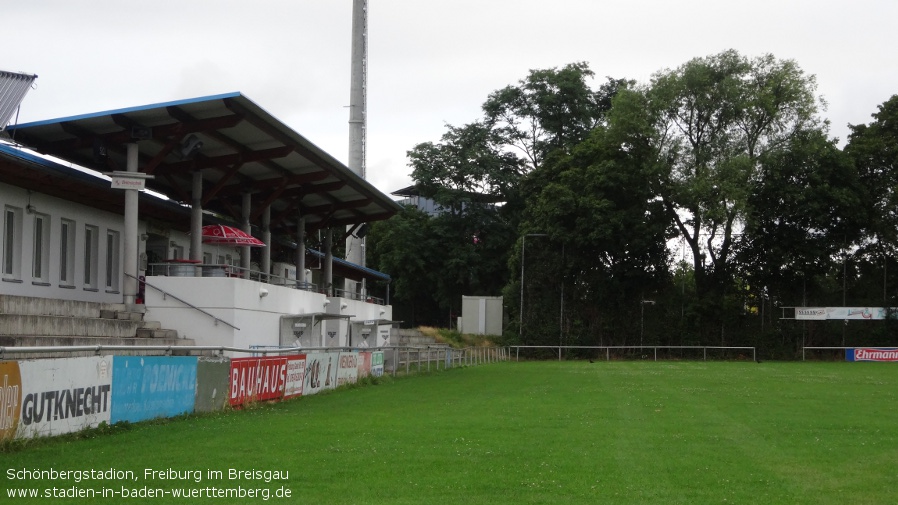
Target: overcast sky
[(430, 62)]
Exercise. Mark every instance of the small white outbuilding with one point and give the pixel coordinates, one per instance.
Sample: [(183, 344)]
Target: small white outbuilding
[(481, 315)]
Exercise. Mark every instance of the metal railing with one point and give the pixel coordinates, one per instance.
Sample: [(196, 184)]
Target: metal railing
[(412, 359), (654, 348), (429, 358), (192, 306), (189, 269), (352, 295)]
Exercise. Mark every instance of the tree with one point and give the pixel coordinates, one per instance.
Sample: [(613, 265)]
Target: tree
[(405, 246), (802, 214), (874, 149), (606, 238), (467, 162), (550, 109), (475, 172), (709, 123)]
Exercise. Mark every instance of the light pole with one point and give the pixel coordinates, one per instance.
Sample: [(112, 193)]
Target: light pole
[(642, 305), (521, 308)]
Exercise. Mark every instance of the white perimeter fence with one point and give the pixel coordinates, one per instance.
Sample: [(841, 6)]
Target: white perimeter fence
[(640, 350)]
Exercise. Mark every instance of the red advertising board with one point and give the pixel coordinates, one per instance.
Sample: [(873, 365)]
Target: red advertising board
[(257, 379), (364, 364)]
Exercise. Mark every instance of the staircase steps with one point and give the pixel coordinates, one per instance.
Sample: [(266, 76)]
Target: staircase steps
[(29, 322)]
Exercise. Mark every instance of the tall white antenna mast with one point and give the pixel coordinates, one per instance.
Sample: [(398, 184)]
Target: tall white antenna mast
[(358, 86)]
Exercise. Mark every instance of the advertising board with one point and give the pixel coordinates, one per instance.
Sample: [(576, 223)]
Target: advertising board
[(364, 364), (871, 354), (147, 387), (347, 368), (810, 313), (377, 363), (257, 379), (296, 374), (321, 372), (64, 395), (10, 399)]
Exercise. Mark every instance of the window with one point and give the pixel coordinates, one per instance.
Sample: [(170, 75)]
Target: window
[(12, 243), (40, 253), (177, 252), (112, 260), (91, 247), (66, 252)]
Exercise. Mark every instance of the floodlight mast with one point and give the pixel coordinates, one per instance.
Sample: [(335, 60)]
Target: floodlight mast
[(355, 246)]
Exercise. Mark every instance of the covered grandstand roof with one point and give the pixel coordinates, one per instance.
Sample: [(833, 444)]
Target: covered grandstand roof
[(237, 147)]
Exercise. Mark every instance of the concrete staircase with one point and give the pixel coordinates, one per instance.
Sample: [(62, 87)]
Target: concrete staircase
[(45, 322), (414, 337)]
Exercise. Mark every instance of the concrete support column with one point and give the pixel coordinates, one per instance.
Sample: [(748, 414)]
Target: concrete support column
[(329, 263), (131, 238), (247, 228), (196, 218), (301, 251), (266, 237)]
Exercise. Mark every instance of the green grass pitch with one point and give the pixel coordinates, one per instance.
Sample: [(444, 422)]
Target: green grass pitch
[(517, 433)]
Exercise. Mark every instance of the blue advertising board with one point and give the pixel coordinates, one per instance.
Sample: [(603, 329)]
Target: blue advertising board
[(147, 387)]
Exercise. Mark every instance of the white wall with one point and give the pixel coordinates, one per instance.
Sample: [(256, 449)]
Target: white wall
[(22, 282), (233, 300)]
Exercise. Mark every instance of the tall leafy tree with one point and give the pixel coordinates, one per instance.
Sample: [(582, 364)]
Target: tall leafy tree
[(550, 109), (468, 163), (874, 149), (710, 122), (606, 237), (803, 212), (484, 162), (405, 246)]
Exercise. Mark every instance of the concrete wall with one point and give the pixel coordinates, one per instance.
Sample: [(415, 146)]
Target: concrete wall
[(236, 301)]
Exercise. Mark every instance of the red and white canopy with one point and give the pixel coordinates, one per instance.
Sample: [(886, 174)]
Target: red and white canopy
[(228, 235)]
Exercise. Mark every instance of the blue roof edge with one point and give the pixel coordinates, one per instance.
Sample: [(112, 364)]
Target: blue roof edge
[(126, 110), (370, 271)]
